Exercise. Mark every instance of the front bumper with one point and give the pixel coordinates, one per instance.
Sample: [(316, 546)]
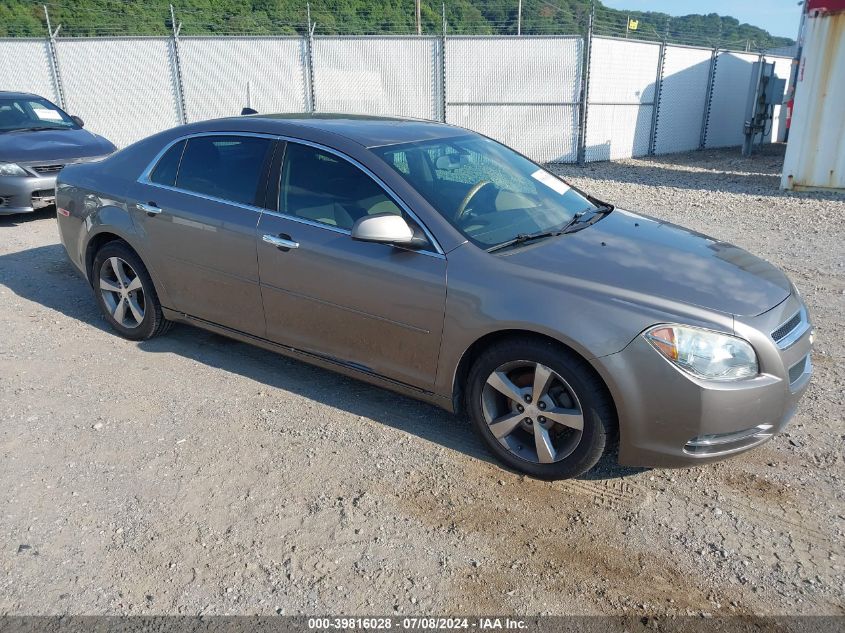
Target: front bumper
[(25, 194), (669, 418)]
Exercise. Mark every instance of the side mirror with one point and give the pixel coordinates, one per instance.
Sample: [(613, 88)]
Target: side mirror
[(78, 120), (385, 228), (246, 111)]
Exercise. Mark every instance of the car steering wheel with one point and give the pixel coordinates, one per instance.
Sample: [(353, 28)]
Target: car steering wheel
[(470, 195)]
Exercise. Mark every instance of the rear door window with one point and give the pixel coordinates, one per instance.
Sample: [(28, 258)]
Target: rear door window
[(225, 167)]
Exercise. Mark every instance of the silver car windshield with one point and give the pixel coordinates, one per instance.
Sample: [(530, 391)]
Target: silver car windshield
[(32, 114), (487, 191)]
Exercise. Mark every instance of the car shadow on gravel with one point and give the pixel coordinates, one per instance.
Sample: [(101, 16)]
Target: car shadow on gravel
[(337, 391), (45, 276), (17, 219)]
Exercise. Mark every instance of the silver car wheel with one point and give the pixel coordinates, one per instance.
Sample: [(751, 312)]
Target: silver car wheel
[(122, 292), (532, 412)]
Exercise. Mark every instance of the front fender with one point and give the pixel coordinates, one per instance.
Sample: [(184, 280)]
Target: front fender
[(588, 318)]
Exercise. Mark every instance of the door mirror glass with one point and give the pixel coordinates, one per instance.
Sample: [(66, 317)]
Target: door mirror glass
[(386, 228), (78, 120)]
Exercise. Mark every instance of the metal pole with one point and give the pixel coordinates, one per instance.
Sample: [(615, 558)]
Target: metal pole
[(419, 16), (443, 65), (519, 19), (309, 46), (177, 68), (793, 71), (750, 132), (708, 98), (54, 60), (585, 90), (658, 84)]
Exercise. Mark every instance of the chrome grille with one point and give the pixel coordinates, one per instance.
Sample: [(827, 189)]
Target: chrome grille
[(48, 169), (787, 327), (792, 330)]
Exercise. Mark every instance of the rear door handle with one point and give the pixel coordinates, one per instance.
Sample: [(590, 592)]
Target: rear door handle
[(280, 241), (149, 209)]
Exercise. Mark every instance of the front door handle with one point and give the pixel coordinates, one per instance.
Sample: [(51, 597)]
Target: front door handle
[(149, 209), (281, 242)]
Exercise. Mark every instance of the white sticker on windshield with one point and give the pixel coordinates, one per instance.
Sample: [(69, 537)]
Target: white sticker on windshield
[(45, 114), (550, 181)]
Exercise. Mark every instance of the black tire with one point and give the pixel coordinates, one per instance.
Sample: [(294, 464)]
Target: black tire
[(599, 431), (153, 322)]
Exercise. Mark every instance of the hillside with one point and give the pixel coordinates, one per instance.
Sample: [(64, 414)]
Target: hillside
[(265, 17)]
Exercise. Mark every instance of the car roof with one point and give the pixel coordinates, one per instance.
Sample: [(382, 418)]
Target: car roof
[(367, 130), (15, 94)]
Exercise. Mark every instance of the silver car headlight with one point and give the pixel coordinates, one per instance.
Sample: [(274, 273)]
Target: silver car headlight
[(704, 353), (10, 169)]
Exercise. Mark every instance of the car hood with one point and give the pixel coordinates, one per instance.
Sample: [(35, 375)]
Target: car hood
[(645, 256), (50, 145)]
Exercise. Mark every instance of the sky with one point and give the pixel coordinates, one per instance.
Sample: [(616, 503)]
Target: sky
[(778, 17)]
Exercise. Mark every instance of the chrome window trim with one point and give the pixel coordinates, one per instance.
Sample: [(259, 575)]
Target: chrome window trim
[(203, 196), (306, 221), (796, 333), (144, 179)]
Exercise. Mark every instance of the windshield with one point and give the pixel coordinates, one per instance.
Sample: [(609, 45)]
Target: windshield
[(28, 113), (488, 192)]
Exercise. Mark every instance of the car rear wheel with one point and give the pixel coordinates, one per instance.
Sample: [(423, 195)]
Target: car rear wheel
[(126, 294), (540, 408)]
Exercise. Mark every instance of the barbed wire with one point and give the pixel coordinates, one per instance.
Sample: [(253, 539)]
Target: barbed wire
[(495, 17)]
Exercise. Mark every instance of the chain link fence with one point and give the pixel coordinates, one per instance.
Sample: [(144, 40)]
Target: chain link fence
[(554, 98), (522, 91)]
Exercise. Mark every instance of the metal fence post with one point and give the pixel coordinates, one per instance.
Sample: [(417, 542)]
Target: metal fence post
[(177, 68), (309, 61), (443, 65), (585, 90), (54, 60), (708, 97), (658, 85)]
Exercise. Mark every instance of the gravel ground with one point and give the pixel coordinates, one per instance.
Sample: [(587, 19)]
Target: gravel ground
[(192, 474)]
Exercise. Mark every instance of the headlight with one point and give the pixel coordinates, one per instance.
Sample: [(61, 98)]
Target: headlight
[(10, 169), (704, 353)]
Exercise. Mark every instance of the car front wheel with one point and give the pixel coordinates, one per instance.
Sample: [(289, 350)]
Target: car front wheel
[(540, 408), (125, 293)]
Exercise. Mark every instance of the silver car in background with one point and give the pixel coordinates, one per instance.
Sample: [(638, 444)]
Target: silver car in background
[(436, 262), (37, 139)]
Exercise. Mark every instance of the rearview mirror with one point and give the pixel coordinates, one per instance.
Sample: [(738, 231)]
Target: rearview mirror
[(385, 228), (451, 161), (78, 120)]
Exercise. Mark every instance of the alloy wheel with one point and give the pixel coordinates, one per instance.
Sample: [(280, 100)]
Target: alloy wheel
[(532, 411), (122, 291)]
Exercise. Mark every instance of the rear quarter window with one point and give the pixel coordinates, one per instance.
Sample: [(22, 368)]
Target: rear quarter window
[(165, 171)]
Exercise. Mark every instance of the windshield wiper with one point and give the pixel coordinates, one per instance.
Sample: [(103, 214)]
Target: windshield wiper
[(577, 222), (522, 238), (39, 128)]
